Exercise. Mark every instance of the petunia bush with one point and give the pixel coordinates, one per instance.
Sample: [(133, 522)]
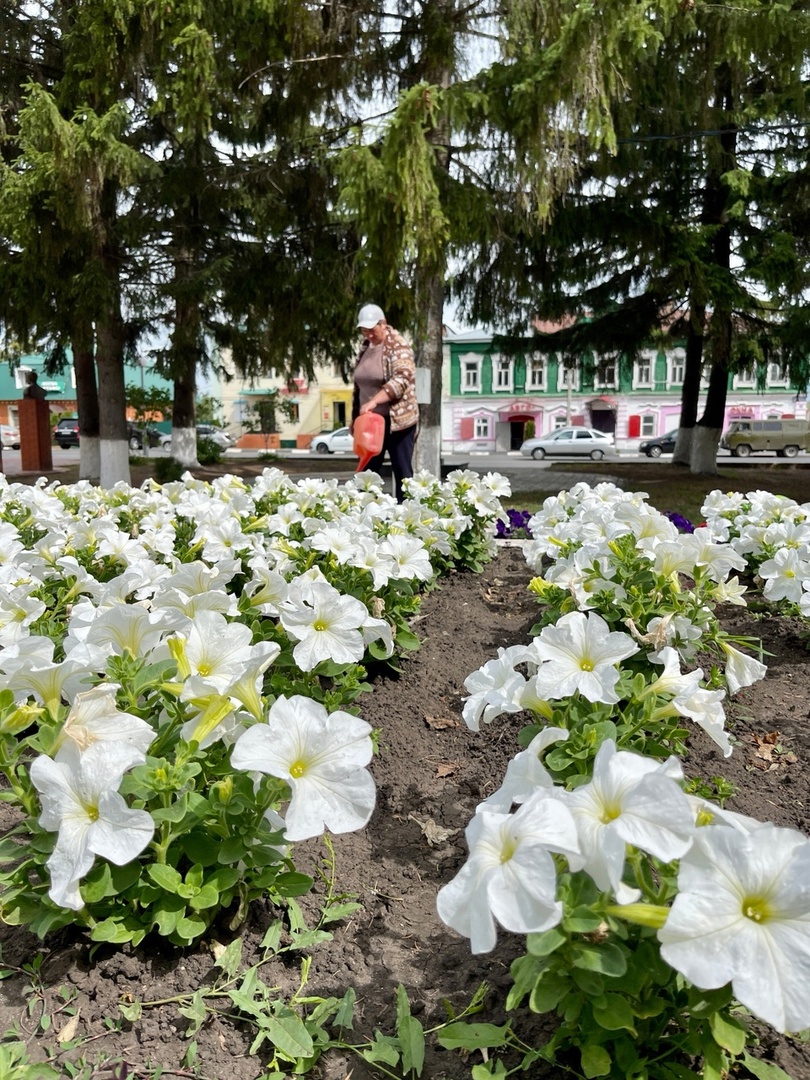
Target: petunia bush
[(179, 675), (771, 533), (655, 920)]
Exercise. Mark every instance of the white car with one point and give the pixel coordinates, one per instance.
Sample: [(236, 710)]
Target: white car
[(571, 442), (330, 442), (9, 437)]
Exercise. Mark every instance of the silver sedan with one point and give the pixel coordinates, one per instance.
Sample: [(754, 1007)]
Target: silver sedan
[(571, 442)]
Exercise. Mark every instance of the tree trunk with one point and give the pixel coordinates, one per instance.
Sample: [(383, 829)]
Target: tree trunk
[(113, 442), (690, 392), (185, 352), (723, 157), (710, 427), (429, 354), (184, 428), (84, 369), (429, 286)]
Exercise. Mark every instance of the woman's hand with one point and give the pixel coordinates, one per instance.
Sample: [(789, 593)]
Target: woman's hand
[(371, 404)]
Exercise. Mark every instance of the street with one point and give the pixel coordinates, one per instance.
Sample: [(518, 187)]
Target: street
[(503, 462)]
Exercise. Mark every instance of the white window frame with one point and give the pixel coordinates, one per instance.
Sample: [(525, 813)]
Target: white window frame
[(560, 420), (604, 382), (468, 363), (20, 376), (745, 380), (481, 427), (676, 365), (647, 358), (503, 365), (777, 380), (648, 425), (534, 365), (562, 380)]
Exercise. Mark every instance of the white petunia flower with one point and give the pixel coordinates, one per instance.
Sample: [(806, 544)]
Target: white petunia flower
[(510, 875), (495, 688), (95, 718), (630, 800), (322, 756), (741, 669), (730, 592), (705, 707), (326, 624), (579, 654), (742, 915), (525, 773), (80, 799), (215, 650), (783, 575)]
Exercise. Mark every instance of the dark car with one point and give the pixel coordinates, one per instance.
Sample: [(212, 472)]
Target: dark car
[(135, 437), (66, 432), (664, 444)]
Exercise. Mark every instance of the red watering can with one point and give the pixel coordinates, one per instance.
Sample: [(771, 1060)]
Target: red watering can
[(369, 435)]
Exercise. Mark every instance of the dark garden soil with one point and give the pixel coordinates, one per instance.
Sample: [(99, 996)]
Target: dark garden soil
[(431, 772)]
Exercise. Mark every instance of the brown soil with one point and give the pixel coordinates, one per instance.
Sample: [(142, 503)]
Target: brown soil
[(430, 769)]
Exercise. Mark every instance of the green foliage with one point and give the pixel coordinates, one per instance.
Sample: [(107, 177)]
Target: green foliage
[(148, 401), (208, 409), (166, 469), (208, 452)]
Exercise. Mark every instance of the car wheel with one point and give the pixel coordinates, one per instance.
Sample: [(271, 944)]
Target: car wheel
[(538, 453), (654, 451), (790, 451), (743, 450), (134, 443), (597, 455), (15, 446), (322, 448)]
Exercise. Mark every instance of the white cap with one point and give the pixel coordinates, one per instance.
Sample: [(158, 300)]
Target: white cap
[(369, 316)]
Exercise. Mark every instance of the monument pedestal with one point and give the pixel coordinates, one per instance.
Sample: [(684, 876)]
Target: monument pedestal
[(35, 436)]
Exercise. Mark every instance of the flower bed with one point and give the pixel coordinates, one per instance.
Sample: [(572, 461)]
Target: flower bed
[(181, 663), (652, 914), (390, 1049)]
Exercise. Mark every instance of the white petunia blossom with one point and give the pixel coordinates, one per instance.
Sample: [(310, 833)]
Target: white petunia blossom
[(322, 756), (95, 718), (525, 773), (80, 799), (510, 875), (783, 575), (630, 800), (742, 915), (326, 624), (495, 688), (579, 654), (741, 669)]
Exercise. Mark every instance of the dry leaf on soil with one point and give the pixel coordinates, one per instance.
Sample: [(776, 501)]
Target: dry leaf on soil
[(433, 833), (441, 723)]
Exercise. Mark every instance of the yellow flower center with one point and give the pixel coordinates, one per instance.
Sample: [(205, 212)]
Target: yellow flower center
[(203, 669), (92, 812), (508, 850), (610, 811), (756, 908), (297, 769), (319, 624), (586, 665)]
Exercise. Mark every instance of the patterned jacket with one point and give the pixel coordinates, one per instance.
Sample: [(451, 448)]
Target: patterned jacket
[(400, 381)]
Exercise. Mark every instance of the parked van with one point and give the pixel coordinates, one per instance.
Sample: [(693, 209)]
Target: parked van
[(786, 437)]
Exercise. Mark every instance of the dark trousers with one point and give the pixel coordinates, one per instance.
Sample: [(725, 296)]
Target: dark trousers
[(399, 445)]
